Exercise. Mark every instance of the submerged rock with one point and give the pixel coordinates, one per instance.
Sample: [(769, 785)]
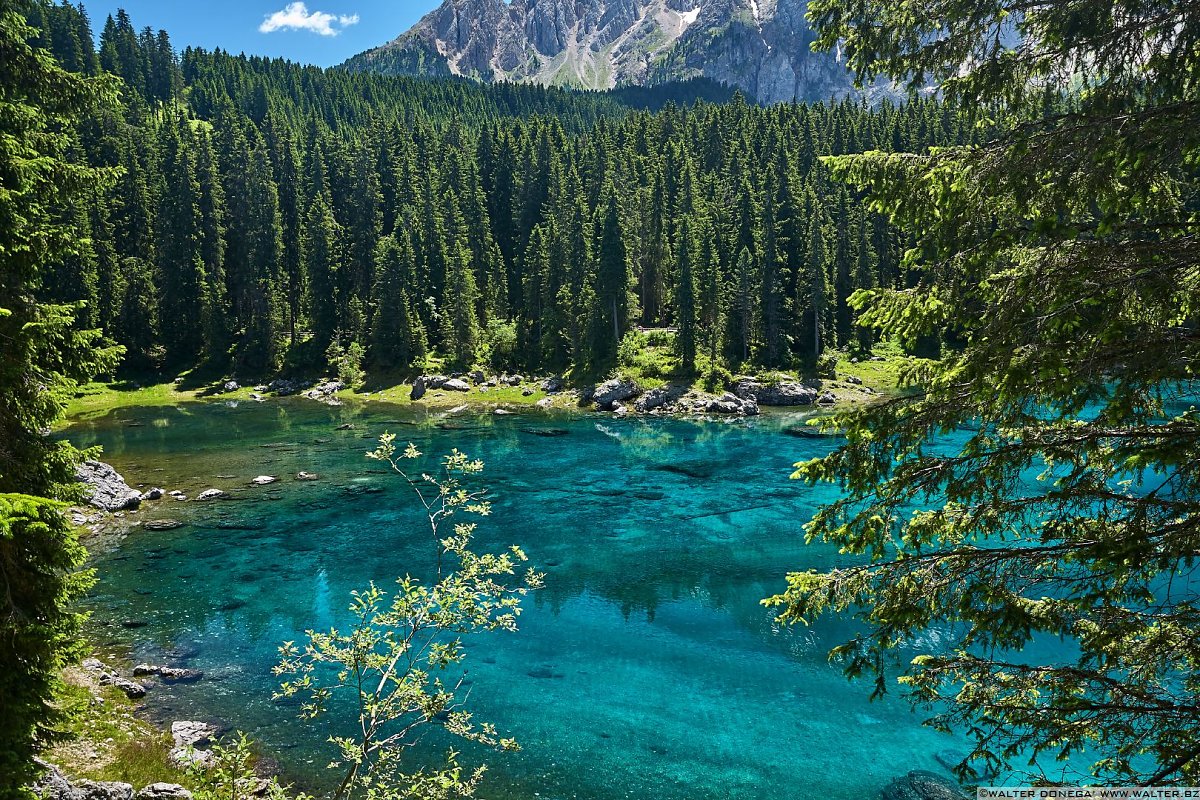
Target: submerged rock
[(307, 476), (263, 480), (106, 489), (212, 494), (921, 785), (161, 524)]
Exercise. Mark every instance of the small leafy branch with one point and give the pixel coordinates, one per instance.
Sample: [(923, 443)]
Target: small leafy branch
[(392, 660)]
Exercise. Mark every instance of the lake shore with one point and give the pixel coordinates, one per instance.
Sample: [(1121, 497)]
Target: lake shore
[(856, 382)]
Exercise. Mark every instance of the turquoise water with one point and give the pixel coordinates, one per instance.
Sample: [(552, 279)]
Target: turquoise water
[(645, 668)]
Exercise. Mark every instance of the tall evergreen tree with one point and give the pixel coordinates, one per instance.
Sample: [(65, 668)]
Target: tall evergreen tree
[(685, 299)]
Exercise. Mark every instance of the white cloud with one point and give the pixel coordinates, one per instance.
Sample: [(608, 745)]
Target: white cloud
[(296, 17)]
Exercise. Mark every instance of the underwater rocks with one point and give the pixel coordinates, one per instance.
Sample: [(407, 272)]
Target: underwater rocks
[(307, 476), (212, 494), (263, 480), (107, 676), (921, 785), (161, 524), (106, 489)]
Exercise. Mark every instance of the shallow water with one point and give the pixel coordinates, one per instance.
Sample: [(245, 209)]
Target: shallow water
[(645, 668)]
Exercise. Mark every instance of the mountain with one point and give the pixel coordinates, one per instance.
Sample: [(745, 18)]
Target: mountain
[(758, 46)]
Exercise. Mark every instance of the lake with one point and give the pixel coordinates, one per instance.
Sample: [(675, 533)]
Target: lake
[(646, 667)]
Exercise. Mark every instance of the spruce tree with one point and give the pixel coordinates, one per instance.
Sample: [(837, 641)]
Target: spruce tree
[(685, 299)]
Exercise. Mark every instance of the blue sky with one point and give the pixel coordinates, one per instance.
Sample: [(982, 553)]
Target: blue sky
[(322, 32)]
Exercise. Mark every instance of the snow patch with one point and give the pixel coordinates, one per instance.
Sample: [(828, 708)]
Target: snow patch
[(754, 10), (690, 17)]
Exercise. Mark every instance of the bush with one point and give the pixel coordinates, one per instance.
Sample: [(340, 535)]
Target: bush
[(500, 343), (346, 361)]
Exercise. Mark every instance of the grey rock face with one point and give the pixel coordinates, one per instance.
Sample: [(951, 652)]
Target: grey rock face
[(106, 489), (758, 46)]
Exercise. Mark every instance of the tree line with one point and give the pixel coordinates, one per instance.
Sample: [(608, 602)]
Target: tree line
[(267, 211)]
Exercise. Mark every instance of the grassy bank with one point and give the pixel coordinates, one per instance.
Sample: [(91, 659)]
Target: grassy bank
[(107, 742), (878, 377)]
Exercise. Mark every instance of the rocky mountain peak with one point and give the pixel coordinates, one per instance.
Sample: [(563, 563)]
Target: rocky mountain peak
[(759, 46)]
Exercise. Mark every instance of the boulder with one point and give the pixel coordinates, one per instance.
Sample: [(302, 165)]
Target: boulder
[(189, 733), (189, 757), (545, 402), (655, 398), (212, 494), (163, 791), (553, 385), (921, 785), (307, 476), (231, 386), (418, 389), (502, 412), (527, 392), (614, 391), (456, 385), (854, 379), (101, 790), (785, 393), (263, 480), (477, 376), (826, 399), (153, 494), (131, 689), (106, 489), (512, 380), (256, 397)]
